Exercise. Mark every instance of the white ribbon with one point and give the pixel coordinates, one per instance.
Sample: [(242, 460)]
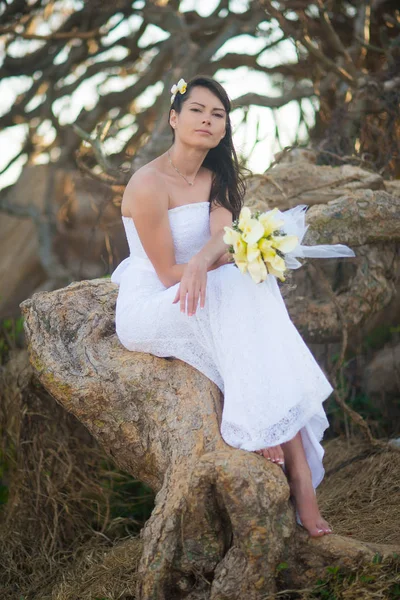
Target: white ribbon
[(294, 224)]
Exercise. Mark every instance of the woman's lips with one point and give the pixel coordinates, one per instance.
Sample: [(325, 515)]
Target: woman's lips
[(203, 131)]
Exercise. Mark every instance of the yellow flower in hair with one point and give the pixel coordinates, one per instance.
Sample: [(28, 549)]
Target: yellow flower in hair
[(178, 87)]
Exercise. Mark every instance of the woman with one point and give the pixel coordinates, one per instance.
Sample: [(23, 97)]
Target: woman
[(236, 332)]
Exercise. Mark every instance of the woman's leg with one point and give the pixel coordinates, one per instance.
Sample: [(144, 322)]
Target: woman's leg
[(299, 478)]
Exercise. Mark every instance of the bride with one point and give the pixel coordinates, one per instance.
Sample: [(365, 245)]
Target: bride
[(174, 211)]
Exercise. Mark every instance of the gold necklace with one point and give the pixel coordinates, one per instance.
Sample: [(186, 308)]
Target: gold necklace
[(178, 171)]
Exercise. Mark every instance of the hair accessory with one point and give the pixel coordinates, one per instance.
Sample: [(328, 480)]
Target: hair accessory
[(178, 87)]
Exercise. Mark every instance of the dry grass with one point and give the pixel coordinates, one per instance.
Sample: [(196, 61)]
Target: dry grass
[(61, 486), (106, 574), (58, 540), (378, 581), (362, 499)]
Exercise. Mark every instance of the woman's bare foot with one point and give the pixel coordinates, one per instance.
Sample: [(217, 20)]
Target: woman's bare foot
[(298, 473), (307, 507), (274, 454)]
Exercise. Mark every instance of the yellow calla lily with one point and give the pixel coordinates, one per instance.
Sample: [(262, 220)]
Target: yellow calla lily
[(251, 228), (240, 248), (278, 263), (253, 252), (240, 261), (255, 248), (285, 243), (257, 270), (231, 236), (266, 248), (270, 221), (244, 217), (276, 273), (241, 264)]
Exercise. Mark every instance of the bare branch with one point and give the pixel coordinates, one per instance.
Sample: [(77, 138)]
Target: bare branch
[(334, 39), (304, 38), (272, 102), (82, 35), (343, 74)]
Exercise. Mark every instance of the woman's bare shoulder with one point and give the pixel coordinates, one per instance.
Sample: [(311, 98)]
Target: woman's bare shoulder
[(145, 188), (148, 175)]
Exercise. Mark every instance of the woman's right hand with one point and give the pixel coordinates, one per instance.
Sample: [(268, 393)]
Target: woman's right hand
[(194, 282), (224, 259), (193, 285)]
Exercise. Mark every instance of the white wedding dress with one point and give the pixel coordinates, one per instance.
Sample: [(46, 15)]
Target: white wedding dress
[(243, 339)]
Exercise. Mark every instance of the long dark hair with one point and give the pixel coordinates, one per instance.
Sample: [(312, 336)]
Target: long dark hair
[(228, 186)]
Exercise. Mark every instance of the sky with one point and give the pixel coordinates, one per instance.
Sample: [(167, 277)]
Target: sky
[(236, 82)]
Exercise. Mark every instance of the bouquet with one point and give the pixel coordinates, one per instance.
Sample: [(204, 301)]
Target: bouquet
[(269, 242), (259, 244)]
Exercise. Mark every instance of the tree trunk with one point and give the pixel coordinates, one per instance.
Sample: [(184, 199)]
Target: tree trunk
[(223, 522)]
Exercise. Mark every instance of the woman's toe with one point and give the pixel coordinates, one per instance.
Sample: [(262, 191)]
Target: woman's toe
[(279, 456), (266, 453), (314, 530), (276, 455), (317, 532), (324, 526)]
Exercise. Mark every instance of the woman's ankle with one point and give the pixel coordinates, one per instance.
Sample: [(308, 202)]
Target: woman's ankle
[(299, 477)]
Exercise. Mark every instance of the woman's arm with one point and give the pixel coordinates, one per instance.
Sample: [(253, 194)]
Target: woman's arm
[(147, 202), (215, 252)]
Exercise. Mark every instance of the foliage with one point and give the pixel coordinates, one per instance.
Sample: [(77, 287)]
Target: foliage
[(341, 56), (380, 579), (11, 336)]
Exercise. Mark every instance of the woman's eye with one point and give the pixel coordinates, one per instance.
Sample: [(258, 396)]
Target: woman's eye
[(198, 110)]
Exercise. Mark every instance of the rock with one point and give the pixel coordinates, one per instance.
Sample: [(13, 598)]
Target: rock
[(382, 374), (217, 508), (393, 188), (82, 223), (287, 185)]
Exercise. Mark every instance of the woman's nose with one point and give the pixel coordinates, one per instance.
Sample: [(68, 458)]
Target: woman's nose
[(206, 120)]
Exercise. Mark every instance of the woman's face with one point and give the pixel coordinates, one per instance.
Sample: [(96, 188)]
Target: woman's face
[(202, 120)]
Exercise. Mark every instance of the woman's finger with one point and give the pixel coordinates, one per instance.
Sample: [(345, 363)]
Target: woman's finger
[(183, 300), (190, 304), (202, 297), (196, 300), (177, 294)]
